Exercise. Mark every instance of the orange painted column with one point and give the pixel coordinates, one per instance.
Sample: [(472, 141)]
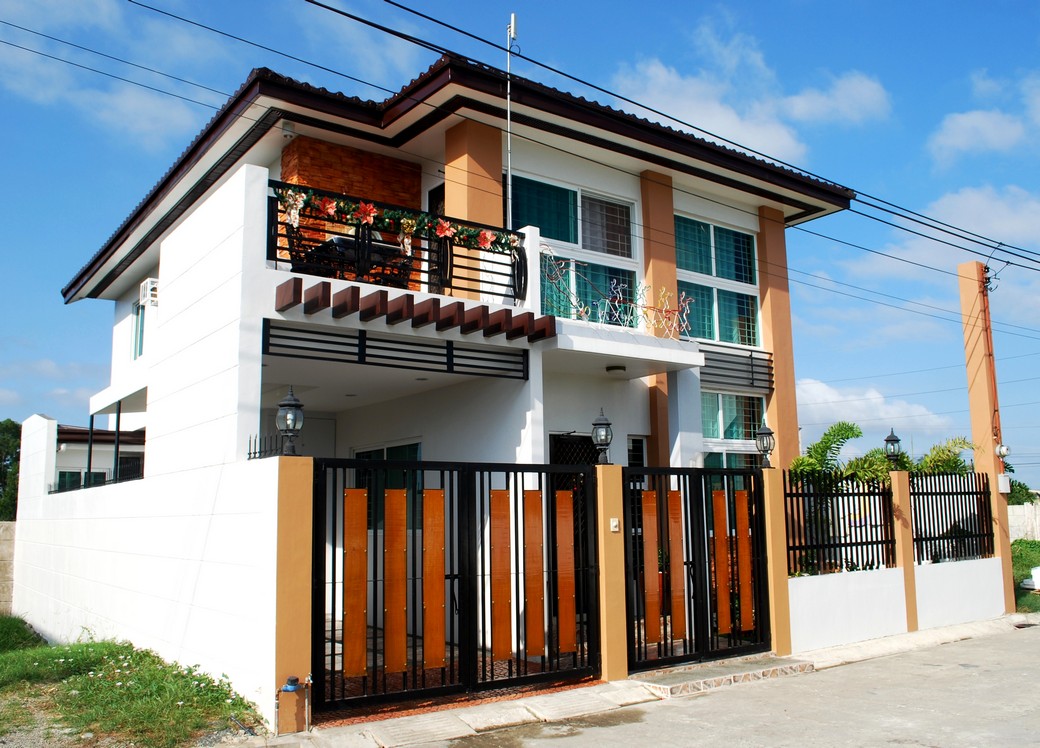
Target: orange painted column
[(610, 540), (659, 275), (776, 561), (473, 173), (293, 586), (904, 537), (473, 178), (984, 408), (777, 336)]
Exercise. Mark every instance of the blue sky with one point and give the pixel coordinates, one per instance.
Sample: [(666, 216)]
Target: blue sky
[(932, 106)]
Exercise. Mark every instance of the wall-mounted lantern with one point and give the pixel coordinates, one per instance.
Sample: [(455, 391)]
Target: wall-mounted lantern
[(892, 447), (765, 441), (289, 420), (602, 435)]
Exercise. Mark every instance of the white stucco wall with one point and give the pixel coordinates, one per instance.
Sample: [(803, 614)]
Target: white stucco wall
[(37, 458), (833, 609), (959, 592), (204, 386), (1024, 521), (181, 563)]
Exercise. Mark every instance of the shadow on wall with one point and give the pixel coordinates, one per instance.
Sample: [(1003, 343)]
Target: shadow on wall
[(6, 567)]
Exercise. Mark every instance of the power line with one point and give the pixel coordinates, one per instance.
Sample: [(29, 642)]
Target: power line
[(992, 243)]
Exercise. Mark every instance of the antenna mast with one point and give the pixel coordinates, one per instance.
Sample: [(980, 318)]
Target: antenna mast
[(510, 38)]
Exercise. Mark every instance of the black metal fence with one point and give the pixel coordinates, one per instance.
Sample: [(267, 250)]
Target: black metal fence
[(952, 517), (443, 577), (695, 562), (837, 524), (331, 235)]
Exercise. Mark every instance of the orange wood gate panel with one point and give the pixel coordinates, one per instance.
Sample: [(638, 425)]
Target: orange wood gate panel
[(720, 528), (676, 567), (565, 575), (355, 581), (501, 599), (651, 549), (534, 584), (434, 591), (395, 579), (747, 611)]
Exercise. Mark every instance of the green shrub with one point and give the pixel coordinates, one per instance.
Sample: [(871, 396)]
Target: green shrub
[(17, 634)]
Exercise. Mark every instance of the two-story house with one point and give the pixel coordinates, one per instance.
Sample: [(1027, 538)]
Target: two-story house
[(423, 304)]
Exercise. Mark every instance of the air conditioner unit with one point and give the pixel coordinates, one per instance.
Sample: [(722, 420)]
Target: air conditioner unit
[(149, 292)]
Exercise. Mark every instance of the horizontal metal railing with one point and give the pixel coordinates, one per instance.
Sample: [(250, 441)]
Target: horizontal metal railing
[(331, 235)]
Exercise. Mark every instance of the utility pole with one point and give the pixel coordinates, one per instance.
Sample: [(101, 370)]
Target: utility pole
[(985, 410)]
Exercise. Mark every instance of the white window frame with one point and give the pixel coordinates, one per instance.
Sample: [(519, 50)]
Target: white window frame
[(716, 284)]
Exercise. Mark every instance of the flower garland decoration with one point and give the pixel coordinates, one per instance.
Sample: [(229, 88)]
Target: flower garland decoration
[(403, 223)]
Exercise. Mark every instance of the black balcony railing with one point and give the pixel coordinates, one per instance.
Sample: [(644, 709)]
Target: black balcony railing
[(331, 235)]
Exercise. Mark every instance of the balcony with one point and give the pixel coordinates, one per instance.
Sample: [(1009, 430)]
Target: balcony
[(330, 235)]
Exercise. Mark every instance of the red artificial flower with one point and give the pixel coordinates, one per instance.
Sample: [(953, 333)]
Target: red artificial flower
[(485, 238), (444, 228), (365, 213), (327, 206)]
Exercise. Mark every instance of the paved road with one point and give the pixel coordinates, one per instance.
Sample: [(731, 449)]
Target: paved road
[(978, 692)]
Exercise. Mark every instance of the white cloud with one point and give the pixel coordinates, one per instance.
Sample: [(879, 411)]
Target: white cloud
[(978, 131), (820, 405), (148, 117), (854, 98), (1031, 97), (983, 86), (9, 397), (737, 96), (700, 100), (57, 14)]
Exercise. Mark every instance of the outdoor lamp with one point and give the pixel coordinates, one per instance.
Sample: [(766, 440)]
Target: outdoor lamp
[(602, 435), (892, 448), (289, 420), (765, 441)]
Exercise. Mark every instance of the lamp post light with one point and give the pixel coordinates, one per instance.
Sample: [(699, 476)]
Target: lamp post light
[(765, 441), (289, 420), (602, 436), (892, 448)]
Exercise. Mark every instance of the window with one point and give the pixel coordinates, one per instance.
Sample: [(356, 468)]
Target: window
[(738, 318), (605, 227), (722, 308), (379, 479), (138, 342), (571, 288), (731, 417), (69, 480), (552, 209), (575, 284), (729, 423)]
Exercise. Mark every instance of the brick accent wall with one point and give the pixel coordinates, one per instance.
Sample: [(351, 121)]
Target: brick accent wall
[(6, 567), (340, 168)]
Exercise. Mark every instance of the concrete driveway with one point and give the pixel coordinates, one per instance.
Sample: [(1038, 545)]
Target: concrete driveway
[(977, 692)]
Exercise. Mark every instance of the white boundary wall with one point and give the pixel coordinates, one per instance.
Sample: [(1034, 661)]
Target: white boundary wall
[(959, 592), (1024, 521), (834, 609), (184, 564)]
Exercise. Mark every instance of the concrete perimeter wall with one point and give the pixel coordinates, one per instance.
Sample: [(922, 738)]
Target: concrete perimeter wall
[(6, 566), (959, 592), (834, 609), (1024, 521), (182, 563)]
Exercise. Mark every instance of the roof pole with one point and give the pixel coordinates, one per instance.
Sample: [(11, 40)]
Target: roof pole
[(510, 38)]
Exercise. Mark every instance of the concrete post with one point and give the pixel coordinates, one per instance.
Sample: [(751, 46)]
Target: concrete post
[(293, 586), (610, 536), (776, 561), (904, 535)]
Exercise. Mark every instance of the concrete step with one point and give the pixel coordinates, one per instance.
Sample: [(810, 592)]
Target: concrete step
[(684, 680)]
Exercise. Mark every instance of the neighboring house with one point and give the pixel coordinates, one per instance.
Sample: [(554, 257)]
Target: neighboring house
[(84, 457), (303, 240)]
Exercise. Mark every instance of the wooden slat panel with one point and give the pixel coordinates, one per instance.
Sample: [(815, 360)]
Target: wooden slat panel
[(722, 575), (501, 599), (355, 581), (565, 577), (676, 566), (651, 587), (434, 591), (534, 584), (395, 579), (747, 611)]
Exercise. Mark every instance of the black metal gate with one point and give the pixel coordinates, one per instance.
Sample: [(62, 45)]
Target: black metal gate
[(695, 563), (443, 577)]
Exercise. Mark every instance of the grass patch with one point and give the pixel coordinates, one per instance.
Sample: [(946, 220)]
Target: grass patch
[(17, 634), (110, 688), (1025, 554)]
